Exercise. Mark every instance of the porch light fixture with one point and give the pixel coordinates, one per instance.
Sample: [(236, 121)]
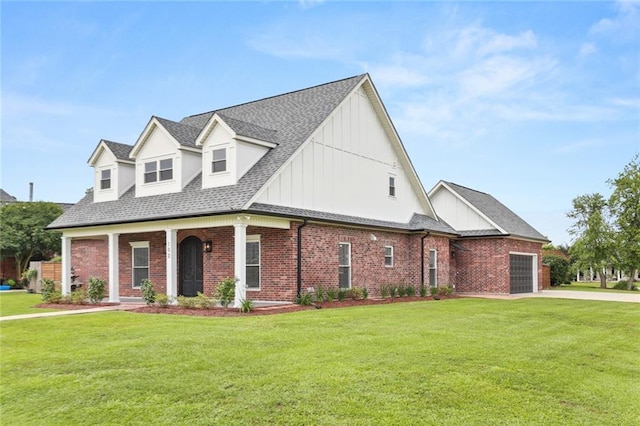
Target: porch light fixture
[(208, 246)]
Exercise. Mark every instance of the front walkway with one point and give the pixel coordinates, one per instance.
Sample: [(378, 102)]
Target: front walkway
[(120, 307), (631, 297)]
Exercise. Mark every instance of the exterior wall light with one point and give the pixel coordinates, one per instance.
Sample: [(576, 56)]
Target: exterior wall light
[(208, 246)]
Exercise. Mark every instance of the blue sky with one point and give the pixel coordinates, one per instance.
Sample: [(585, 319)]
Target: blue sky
[(535, 103)]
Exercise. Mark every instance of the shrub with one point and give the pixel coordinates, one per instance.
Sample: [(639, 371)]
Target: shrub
[(148, 292), (96, 290), (385, 291), (365, 293), (342, 294), (332, 294), (410, 291), (305, 299), (54, 297), (423, 291), (355, 293), (559, 269), (48, 287), (11, 282), (225, 291), (203, 301), (187, 302), (163, 300), (624, 285), (320, 294), (246, 306), (433, 291), (78, 296), (445, 290)]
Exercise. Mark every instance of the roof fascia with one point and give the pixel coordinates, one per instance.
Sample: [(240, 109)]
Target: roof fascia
[(100, 148), (256, 141), (404, 158), (214, 121), (146, 134), (470, 205)]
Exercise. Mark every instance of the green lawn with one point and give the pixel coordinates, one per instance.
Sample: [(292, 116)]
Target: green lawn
[(20, 302), (589, 286), (453, 362)]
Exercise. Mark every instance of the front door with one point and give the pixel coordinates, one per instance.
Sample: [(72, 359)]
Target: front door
[(190, 267)]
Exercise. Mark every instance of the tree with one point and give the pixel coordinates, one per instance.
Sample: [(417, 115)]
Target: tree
[(558, 269), (593, 245), (624, 205), (23, 234)]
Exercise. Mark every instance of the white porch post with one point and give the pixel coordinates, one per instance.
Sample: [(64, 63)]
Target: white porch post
[(172, 263), (114, 268), (240, 259), (65, 284)]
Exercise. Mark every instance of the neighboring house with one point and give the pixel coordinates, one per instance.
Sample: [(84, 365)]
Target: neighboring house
[(309, 188), (496, 250), (5, 197)]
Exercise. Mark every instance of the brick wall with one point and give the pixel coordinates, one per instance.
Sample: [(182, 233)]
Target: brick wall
[(8, 269), (89, 259), (484, 266)]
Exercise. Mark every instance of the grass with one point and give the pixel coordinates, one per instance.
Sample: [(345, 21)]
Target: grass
[(459, 361), (20, 302), (590, 286)]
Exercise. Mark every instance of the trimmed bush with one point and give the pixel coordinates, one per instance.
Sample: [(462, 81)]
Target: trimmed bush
[(47, 287), (163, 300), (225, 291), (148, 292), (96, 291)]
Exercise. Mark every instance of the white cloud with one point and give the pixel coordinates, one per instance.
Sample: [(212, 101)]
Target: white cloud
[(587, 49), (624, 26), (479, 41)]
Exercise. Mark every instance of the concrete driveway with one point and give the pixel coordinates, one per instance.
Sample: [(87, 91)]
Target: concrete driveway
[(632, 297)]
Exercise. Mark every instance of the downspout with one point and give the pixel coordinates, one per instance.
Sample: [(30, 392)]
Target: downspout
[(299, 277), (422, 262)]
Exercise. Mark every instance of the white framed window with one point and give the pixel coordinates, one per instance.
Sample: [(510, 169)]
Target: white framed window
[(105, 179), (433, 268), (139, 262), (219, 160), (155, 171), (388, 256), (253, 262), (344, 265), (392, 186)]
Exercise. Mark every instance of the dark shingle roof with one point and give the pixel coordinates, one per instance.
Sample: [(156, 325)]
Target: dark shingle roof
[(120, 150), (6, 197), (496, 212), (292, 117), (243, 128)]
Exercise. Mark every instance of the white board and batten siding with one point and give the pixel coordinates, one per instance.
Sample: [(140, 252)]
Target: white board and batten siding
[(457, 213), (345, 168)]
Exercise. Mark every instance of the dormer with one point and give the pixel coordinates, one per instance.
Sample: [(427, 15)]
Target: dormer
[(114, 171), (230, 147), (166, 157)]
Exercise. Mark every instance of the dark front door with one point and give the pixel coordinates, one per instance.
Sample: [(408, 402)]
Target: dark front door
[(190, 267)]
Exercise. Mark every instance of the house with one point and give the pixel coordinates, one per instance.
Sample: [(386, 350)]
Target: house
[(496, 251), (305, 189)]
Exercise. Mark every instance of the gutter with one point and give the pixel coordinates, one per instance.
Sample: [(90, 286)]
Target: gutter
[(299, 265)]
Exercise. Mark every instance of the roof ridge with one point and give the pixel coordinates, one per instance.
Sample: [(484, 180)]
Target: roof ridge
[(469, 189), (175, 122), (273, 96)]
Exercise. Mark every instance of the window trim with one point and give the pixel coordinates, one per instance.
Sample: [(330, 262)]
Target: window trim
[(348, 265), (433, 267), (139, 245), (215, 161), (392, 186), (251, 239), (104, 180), (388, 256), (155, 175)]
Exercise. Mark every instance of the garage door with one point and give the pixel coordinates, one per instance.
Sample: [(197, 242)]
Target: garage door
[(521, 269)]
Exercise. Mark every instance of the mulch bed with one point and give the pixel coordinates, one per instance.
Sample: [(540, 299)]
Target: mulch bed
[(232, 312)]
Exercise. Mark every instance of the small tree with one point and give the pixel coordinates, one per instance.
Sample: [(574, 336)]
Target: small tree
[(624, 204), (23, 231), (559, 268), (148, 292), (593, 246)]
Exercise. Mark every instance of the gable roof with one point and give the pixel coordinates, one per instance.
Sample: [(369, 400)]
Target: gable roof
[(5, 197), (120, 150), (506, 222)]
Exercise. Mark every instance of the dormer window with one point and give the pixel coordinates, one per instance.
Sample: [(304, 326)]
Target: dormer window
[(105, 179), (219, 163), (158, 170)]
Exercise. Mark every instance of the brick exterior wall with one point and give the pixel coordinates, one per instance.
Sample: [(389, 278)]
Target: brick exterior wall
[(484, 266), (8, 269), (89, 259)]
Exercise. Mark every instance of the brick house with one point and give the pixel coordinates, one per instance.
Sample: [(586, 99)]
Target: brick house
[(308, 188)]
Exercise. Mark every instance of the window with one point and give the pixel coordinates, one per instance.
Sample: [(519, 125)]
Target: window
[(344, 265), (105, 179), (152, 174), (166, 169), (433, 268), (388, 256), (219, 163), (140, 262), (253, 262), (392, 186)]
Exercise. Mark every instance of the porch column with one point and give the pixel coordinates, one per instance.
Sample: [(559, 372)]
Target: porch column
[(65, 282), (240, 259), (114, 268), (172, 263)]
